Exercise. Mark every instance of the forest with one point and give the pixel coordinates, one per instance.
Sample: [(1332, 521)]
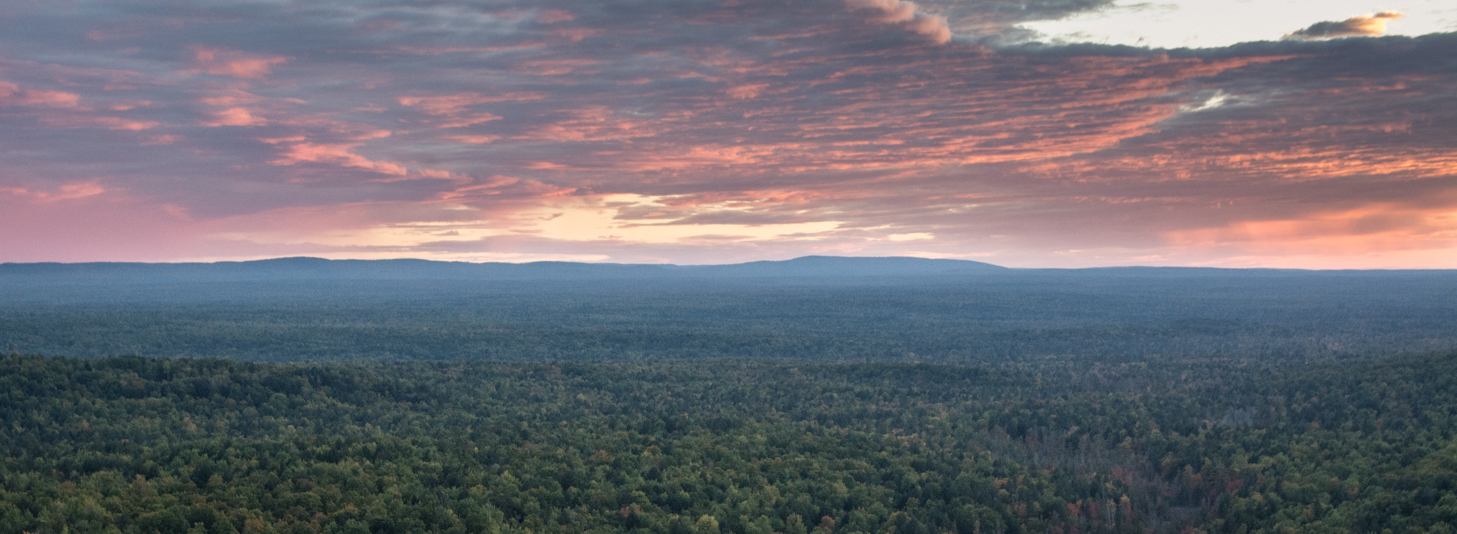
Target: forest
[(130, 444), (174, 399)]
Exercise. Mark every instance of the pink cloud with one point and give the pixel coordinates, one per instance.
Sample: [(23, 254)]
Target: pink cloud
[(127, 106), (297, 151), (550, 16), (452, 111), (576, 34), (908, 14), (238, 116), (230, 96), (117, 123), (597, 123), (747, 91), (234, 63), (14, 95), (67, 191), (554, 67), (455, 103), (162, 139), (92, 121), (438, 50), (473, 139)]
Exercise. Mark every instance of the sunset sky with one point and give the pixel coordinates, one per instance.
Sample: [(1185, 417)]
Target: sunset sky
[(1036, 133)]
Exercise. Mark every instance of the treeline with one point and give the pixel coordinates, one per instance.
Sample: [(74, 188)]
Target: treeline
[(190, 446)]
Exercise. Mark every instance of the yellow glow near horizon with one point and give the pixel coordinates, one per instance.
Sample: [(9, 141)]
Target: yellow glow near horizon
[(599, 218), (572, 219)]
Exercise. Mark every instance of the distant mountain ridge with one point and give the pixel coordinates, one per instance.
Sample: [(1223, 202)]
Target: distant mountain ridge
[(307, 268)]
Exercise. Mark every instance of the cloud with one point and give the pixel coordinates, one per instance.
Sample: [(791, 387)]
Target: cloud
[(637, 130), (68, 191), (1369, 25), (236, 116), (15, 95), (92, 121), (453, 111), (552, 16), (301, 151), (905, 13), (233, 63)]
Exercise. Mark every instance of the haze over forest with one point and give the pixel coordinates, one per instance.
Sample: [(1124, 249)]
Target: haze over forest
[(821, 308)]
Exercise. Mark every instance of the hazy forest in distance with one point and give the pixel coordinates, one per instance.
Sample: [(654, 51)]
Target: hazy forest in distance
[(816, 308), (825, 395)]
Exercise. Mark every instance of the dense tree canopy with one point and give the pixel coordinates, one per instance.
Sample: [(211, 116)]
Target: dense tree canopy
[(186, 446)]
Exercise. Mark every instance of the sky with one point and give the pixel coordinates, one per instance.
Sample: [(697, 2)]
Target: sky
[(1025, 133)]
